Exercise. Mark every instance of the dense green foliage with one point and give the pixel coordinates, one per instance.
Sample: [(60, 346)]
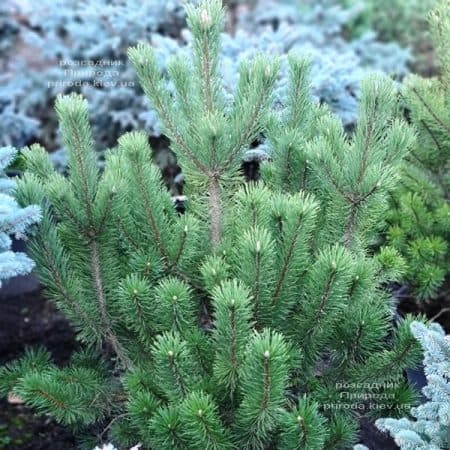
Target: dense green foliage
[(256, 319), (420, 213), (402, 21), (396, 20)]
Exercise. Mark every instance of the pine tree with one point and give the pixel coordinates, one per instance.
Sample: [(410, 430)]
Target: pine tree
[(419, 216), (13, 222), (255, 319), (429, 427)]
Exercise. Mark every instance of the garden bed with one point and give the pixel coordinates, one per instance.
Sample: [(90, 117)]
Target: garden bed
[(30, 320)]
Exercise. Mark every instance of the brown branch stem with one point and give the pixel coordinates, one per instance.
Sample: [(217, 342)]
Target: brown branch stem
[(215, 210), (101, 300)]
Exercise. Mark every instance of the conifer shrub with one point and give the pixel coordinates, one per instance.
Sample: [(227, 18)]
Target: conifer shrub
[(9, 31), (14, 222), (420, 213), (76, 46), (401, 21), (80, 46), (427, 427), (255, 319)]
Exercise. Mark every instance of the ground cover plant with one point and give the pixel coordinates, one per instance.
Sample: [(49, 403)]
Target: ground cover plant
[(99, 33), (64, 46), (256, 319)]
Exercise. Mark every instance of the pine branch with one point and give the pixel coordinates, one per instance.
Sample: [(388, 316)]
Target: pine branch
[(143, 59), (430, 111), (101, 299), (215, 208), (51, 262), (232, 322), (72, 112)]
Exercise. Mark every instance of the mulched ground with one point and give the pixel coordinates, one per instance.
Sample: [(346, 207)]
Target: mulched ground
[(30, 320)]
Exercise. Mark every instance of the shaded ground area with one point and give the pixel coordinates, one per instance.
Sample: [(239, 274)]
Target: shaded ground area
[(30, 320), (437, 309)]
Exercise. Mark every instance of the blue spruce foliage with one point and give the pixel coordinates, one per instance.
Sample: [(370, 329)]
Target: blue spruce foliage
[(14, 221), (429, 427), (70, 35)]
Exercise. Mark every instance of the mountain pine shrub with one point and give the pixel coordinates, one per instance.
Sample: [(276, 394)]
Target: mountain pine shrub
[(255, 319), (428, 429), (420, 213), (14, 221)]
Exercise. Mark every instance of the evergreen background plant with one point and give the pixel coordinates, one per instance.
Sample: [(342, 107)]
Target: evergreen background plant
[(420, 211), (256, 319), (14, 222), (102, 31), (402, 21), (427, 427), (67, 36)]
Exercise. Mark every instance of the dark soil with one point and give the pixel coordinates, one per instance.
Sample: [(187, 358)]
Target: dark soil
[(30, 320), (437, 309)]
